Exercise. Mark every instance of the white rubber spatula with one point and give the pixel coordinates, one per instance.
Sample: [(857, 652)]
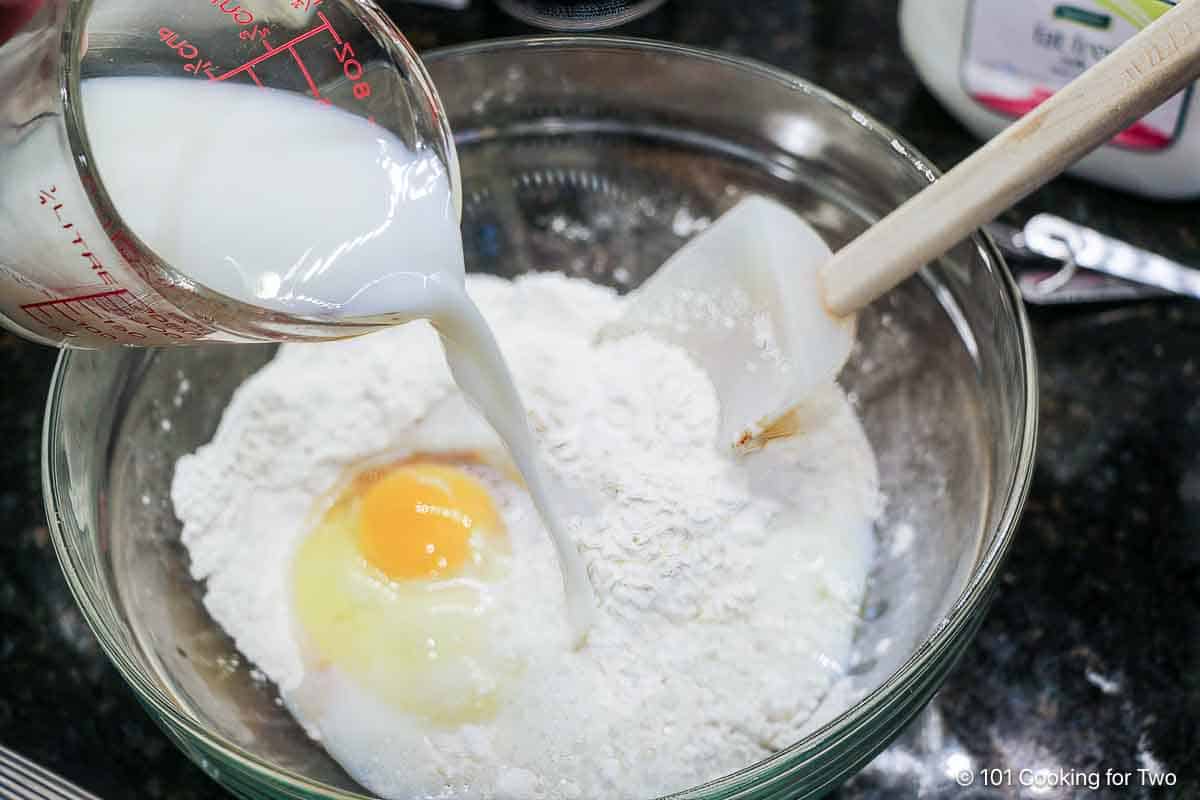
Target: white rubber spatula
[(738, 297), (760, 302)]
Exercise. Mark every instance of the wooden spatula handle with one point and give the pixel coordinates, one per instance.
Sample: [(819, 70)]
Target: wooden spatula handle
[(1131, 81)]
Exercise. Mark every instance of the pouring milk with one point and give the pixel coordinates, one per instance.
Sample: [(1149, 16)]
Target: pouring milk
[(291, 205)]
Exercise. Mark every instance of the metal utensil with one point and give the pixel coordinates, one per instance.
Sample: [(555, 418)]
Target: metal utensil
[(1059, 262), (21, 779)]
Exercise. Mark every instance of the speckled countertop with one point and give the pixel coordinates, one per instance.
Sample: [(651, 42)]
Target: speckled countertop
[(1090, 657)]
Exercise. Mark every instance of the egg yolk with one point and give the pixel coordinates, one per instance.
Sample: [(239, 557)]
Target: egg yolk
[(418, 521), (393, 592)]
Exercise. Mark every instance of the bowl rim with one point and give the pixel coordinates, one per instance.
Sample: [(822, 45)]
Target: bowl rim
[(956, 626)]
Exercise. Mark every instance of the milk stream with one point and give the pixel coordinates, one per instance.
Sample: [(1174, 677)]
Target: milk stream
[(479, 370), (284, 203)]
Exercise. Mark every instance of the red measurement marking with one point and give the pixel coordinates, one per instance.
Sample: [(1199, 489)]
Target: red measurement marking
[(312, 85), (305, 5), (238, 14), (48, 197), (332, 32), (199, 66), (67, 300), (351, 66), (106, 310), (257, 32), (56, 313), (274, 51), (187, 51), (118, 316)]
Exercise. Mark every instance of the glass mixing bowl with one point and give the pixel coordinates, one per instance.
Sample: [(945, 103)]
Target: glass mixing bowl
[(599, 157)]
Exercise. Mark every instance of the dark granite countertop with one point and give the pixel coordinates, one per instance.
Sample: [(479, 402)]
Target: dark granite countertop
[(1090, 657)]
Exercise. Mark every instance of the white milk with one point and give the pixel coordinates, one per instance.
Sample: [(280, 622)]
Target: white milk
[(287, 204)]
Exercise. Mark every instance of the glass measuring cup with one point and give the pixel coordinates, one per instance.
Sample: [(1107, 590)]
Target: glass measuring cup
[(72, 271)]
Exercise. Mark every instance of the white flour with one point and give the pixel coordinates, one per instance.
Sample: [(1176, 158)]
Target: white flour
[(728, 591)]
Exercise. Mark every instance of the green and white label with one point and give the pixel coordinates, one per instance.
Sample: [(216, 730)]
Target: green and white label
[(1017, 54)]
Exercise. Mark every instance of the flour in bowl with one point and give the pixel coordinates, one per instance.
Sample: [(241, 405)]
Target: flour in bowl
[(728, 588)]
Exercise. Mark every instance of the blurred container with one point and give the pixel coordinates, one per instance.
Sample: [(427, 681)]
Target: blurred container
[(990, 61), (589, 15)]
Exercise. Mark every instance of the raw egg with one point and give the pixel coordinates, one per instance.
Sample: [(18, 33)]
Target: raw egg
[(393, 589)]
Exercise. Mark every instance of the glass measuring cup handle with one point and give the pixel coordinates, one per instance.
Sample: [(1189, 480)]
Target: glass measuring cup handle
[(72, 271)]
